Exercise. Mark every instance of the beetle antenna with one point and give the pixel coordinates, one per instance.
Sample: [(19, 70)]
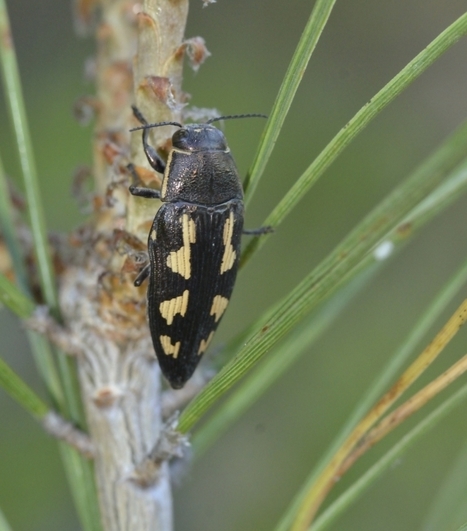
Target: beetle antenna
[(229, 117), (139, 116), (158, 124)]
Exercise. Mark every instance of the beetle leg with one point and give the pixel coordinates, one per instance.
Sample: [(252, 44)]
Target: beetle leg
[(132, 171), (153, 158), (151, 154), (136, 179), (148, 193), (258, 232), (142, 276), (139, 115)]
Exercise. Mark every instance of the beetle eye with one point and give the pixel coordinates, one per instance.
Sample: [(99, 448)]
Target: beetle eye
[(179, 137)]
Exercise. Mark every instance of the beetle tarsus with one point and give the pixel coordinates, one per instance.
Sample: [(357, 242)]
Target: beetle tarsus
[(259, 231), (148, 193), (142, 275)]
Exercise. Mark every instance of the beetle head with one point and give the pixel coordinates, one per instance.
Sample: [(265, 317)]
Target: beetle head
[(195, 137), (199, 137)]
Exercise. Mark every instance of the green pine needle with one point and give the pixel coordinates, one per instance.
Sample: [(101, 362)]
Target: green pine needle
[(366, 114), (384, 463), (14, 299), (15, 102), (19, 390), (323, 280), (308, 41)]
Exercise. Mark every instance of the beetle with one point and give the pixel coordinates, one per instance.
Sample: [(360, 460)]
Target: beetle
[(193, 243)]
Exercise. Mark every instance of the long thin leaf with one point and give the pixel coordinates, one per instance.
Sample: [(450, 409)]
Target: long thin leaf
[(8, 232), (78, 469), (83, 487), (20, 302), (14, 299), (361, 438), (14, 97), (387, 424), (39, 346), (20, 391), (275, 365), (448, 508), (438, 200), (28, 399), (323, 280), (385, 96), (387, 374), (311, 34), (43, 356), (289, 351), (346, 499), (4, 525)]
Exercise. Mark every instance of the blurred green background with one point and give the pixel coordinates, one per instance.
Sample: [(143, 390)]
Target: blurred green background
[(246, 481)]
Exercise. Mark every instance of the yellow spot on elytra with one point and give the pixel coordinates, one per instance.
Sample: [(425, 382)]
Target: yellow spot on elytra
[(204, 344), (219, 304), (170, 308), (153, 234), (169, 349), (230, 254), (179, 261)]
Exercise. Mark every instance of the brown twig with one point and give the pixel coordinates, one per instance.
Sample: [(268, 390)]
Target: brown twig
[(140, 49), (61, 429)]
